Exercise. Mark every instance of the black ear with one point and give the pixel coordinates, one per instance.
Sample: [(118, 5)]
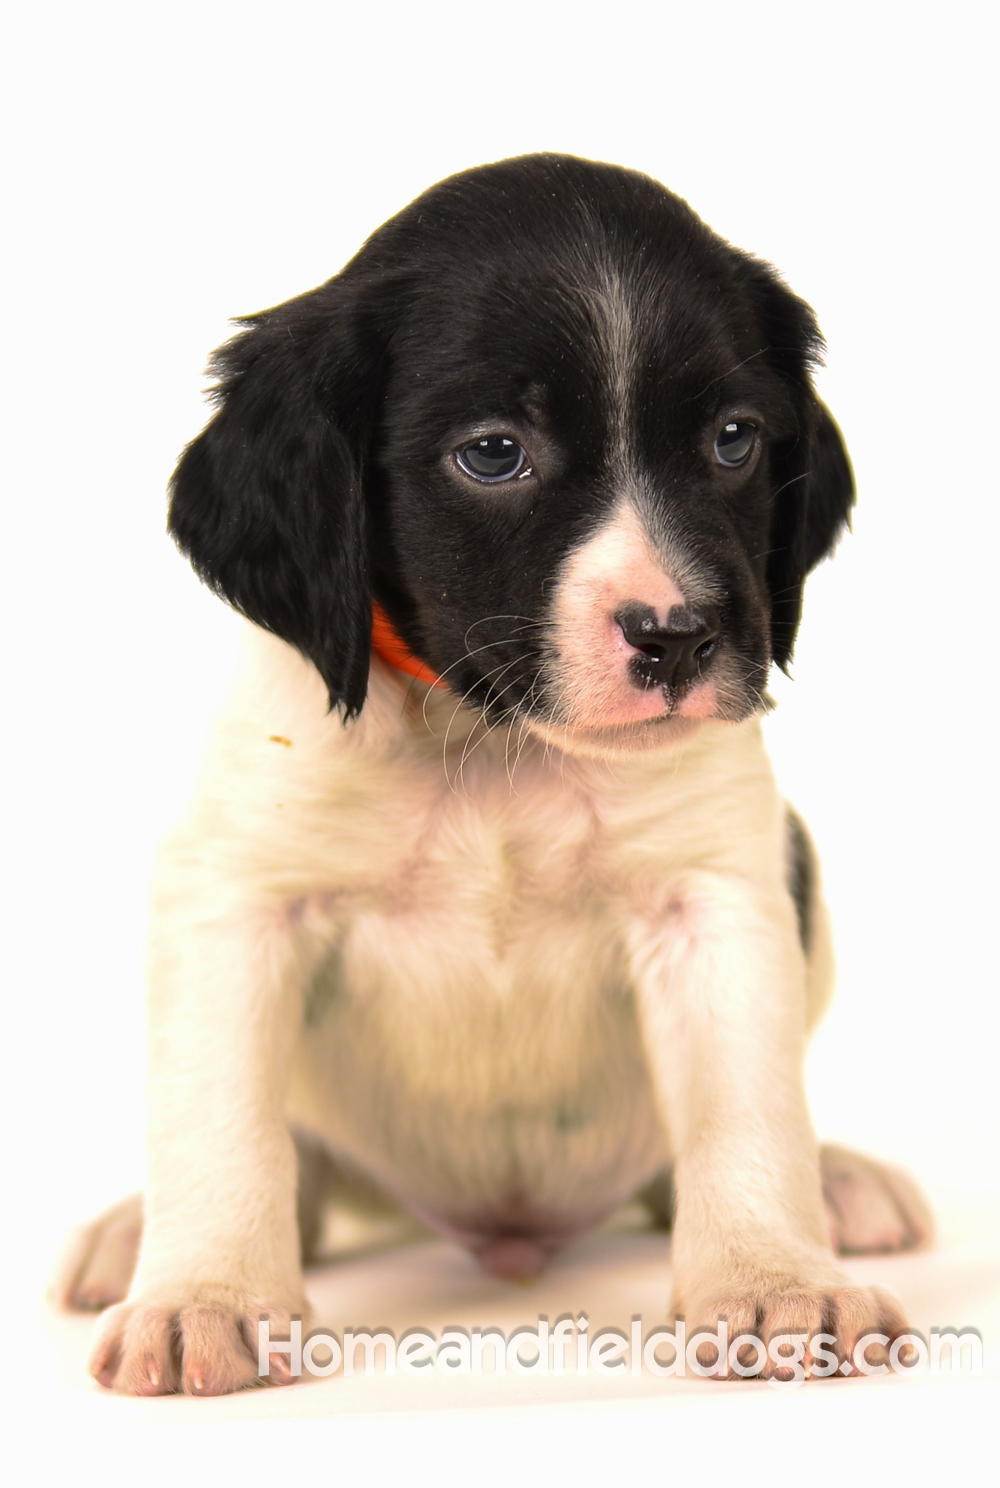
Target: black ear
[(814, 495), (813, 480), (268, 503)]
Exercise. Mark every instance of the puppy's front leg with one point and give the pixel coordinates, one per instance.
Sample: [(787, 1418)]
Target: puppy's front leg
[(720, 979), (220, 1246)]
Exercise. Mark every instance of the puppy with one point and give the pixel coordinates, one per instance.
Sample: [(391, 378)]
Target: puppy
[(487, 890)]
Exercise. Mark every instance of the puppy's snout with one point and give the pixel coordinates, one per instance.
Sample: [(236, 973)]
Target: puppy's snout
[(672, 653)]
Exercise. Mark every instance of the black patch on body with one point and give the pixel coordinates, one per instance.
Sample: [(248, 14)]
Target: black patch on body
[(801, 875)]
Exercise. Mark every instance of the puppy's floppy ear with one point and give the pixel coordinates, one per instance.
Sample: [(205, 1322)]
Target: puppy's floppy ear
[(268, 502), (813, 480), (814, 488)]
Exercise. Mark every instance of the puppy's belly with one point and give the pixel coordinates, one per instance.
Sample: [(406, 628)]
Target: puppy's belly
[(503, 1098)]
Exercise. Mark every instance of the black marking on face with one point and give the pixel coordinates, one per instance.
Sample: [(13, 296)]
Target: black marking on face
[(444, 423)]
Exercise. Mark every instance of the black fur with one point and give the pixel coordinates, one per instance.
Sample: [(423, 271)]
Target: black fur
[(268, 502), (326, 476), (801, 875)]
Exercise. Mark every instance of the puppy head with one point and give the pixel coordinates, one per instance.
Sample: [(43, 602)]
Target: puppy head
[(564, 434)]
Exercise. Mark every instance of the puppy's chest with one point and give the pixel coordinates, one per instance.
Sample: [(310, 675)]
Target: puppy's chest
[(483, 983), (487, 874)]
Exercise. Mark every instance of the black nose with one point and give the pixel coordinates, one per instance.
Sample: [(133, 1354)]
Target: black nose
[(672, 654)]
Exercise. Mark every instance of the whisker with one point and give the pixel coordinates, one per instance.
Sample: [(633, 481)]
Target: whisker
[(487, 699), (503, 641), (485, 705), (804, 476), (490, 729), (729, 373), (510, 713), (455, 713), (468, 655), (526, 719), (506, 751), (487, 618)]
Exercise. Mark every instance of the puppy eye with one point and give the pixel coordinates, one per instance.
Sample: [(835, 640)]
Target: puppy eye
[(734, 443), (493, 458)]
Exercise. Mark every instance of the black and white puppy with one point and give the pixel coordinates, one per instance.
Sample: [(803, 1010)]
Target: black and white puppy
[(507, 916)]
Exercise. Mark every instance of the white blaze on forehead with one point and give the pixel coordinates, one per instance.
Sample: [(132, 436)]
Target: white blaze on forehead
[(622, 563), (615, 323), (615, 308)]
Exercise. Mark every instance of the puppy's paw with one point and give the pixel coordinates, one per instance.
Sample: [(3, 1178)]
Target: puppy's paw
[(197, 1347), (766, 1313), (97, 1266), (871, 1208)]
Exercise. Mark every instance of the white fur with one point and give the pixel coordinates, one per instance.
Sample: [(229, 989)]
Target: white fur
[(600, 575), (518, 997)]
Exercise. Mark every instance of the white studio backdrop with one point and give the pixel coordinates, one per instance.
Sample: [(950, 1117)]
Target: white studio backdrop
[(173, 166)]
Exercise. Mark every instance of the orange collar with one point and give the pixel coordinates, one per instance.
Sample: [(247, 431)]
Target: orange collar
[(390, 646)]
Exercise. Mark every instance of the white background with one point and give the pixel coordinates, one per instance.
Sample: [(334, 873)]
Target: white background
[(172, 166)]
